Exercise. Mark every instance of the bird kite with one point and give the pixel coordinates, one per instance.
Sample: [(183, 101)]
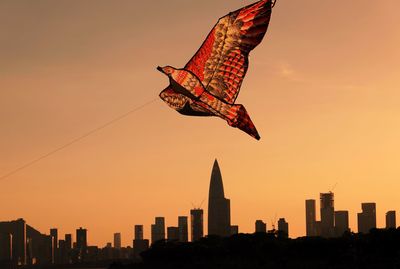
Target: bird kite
[(209, 83)]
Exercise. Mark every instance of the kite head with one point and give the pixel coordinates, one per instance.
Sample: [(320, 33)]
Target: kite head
[(168, 70)]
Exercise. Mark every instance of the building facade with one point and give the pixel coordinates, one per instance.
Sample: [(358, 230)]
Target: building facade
[(219, 216), (367, 218), (311, 218), (197, 226)]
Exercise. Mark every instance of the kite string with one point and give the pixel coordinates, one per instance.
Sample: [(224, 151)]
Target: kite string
[(75, 140)]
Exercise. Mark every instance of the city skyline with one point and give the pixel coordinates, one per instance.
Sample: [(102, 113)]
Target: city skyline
[(331, 223), (322, 89)]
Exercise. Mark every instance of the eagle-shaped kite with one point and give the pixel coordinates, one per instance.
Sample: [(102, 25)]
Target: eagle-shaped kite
[(209, 83)]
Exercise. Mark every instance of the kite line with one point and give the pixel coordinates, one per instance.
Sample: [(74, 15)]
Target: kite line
[(77, 139)]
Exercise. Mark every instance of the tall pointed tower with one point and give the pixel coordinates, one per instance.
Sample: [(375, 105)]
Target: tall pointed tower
[(219, 208)]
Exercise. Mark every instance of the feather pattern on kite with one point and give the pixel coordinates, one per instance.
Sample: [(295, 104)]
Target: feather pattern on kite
[(210, 82)]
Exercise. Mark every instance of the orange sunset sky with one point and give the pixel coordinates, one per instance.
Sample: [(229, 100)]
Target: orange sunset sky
[(322, 89)]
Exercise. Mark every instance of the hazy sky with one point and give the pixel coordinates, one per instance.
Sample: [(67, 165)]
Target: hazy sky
[(322, 89)]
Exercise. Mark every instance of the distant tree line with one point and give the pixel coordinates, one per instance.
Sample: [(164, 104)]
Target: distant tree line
[(377, 249)]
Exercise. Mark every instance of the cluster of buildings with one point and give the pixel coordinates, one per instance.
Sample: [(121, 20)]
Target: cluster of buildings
[(23, 245), (336, 223)]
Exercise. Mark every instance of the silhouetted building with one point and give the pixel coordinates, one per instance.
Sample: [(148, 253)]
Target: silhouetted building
[(234, 229), (311, 218), (62, 252), (117, 240), (68, 241), (54, 235), (196, 218), (17, 229), (219, 216), (183, 229), (139, 244), (283, 227), (261, 227), (367, 218), (40, 247), (173, 233), (81, 244), (158, 230), (341, 222), (139, 232), (327, 214), (391, 219), (6, 247)]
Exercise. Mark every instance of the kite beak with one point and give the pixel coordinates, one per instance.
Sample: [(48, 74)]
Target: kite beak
[(160, 69)]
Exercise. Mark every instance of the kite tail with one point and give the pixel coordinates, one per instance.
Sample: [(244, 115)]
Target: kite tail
[(242, 121)]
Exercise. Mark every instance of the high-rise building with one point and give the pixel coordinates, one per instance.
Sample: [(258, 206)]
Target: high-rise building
[(6, 247), (139, 232), (283, 227), (183, 228), (197, 226), (327, 214), (68, 241), (391, 219), (261, 226), (158, 230), (311, 218), (40, 247), (18, 230), (117, 240), (341, 222), (81, 243), (219, 216), (367, 218), (139, 244), (173, 233), (54, 236)]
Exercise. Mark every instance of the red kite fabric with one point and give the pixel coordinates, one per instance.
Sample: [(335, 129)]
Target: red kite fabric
[(210, 82)]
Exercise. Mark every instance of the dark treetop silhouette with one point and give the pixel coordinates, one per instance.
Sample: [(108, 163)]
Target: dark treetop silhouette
[(210, 82)]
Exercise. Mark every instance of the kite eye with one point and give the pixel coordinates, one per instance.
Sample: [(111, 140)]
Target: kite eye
[(168, 70)]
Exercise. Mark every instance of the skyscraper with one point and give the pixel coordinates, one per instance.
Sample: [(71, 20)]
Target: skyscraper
[(54, 236), (341, 222), (139, 232), (158, 230), (139, 244), (196, 219), (18, 230), (183, 228), (367, 218), (81, 243), (219, 216), (261, 226), (310, 218), (391, 219), (327, 214), (6, 247), (283, 227), (68, 241), (117, 240)]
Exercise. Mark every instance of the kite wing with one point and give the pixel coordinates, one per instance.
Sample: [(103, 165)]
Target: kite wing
[(182, 103), (222, 60)]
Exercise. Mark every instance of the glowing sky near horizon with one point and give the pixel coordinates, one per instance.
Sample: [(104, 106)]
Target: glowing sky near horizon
[(322, 89)]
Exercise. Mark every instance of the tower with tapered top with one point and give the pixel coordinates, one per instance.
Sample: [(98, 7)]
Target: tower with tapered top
[(219, 208)]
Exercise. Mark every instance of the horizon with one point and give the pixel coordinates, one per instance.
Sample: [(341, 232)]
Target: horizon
[(322, 89)]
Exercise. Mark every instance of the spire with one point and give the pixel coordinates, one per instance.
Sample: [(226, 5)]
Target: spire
[(216, 185)]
